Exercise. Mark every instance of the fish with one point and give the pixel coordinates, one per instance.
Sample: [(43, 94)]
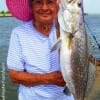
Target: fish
[(77, 70)]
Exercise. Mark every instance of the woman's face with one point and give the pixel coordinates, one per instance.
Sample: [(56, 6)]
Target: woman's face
[(44, 11)]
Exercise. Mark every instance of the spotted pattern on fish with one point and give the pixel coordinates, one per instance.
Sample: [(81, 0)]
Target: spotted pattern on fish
[(76, 69)]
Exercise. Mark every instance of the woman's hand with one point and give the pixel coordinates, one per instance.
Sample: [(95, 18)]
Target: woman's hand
[(56, 78)]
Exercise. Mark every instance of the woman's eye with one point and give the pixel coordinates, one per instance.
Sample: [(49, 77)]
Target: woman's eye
[(51, 1), (37, 1)]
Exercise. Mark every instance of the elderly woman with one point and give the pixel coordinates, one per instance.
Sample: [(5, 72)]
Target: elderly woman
[(30, 62)]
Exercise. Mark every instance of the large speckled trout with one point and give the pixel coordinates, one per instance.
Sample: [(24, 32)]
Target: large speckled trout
[(77, 71)]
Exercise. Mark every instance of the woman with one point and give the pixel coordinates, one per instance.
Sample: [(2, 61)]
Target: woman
[(30, 62)]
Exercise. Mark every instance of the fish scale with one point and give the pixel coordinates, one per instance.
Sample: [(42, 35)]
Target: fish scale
[(78, 72)]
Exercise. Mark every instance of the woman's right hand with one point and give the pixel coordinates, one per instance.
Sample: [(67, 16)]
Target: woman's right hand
[(56, 78)]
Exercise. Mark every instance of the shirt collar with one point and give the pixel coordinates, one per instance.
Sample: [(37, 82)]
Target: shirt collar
[(38, 34)]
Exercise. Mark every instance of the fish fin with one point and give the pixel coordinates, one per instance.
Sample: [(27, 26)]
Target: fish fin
[(91, 78), (66, 91), (56, 45)]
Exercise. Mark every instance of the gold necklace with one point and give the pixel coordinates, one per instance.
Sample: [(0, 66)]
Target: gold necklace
[(42, 27)]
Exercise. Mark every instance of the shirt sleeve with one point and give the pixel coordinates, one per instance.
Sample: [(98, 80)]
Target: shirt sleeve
[(15, 58)]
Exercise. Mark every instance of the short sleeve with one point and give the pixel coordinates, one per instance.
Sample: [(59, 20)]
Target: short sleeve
[(15, 58)]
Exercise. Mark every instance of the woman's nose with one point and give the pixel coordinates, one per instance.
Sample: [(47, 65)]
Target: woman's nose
[(44, 6)]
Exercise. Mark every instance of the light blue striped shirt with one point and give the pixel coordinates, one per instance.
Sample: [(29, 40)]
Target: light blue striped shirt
[(30, 50)]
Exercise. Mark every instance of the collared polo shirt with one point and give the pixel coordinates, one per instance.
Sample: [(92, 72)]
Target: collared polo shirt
[(30, 50)]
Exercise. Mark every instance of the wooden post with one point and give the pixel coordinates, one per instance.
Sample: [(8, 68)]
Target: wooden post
[(3, 81), (95, 94)]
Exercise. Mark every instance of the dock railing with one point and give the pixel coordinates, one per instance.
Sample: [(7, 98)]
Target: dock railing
[(3, 80), (95, 93)]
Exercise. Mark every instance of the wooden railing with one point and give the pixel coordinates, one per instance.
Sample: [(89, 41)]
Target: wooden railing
[(3, 80), (95, 60)]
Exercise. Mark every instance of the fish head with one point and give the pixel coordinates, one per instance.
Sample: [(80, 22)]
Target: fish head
[(70, 5), (69, 17)]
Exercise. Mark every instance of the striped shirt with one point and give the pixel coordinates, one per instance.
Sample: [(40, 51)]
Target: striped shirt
[(30, 50)]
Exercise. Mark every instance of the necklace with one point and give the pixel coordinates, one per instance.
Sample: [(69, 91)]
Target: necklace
[(44, 28)]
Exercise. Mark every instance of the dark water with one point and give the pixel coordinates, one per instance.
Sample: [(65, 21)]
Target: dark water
[(93, 22), (8, 23)]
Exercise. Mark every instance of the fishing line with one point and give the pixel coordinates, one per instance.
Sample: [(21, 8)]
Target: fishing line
[(92, 34)]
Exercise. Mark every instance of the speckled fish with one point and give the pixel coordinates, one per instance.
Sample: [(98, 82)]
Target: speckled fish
[(78, 72)]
